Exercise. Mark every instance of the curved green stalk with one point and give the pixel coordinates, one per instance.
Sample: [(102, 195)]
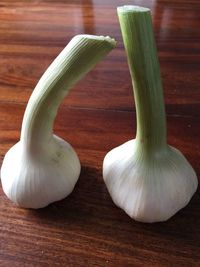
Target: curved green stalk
[(78, 57), (138, 37)]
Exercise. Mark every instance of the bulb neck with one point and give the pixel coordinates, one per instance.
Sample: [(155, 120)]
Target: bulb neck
[(139, 42), (81, 54)]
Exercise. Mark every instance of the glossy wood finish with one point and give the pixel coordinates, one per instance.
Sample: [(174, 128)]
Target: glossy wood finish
[(87, 229)]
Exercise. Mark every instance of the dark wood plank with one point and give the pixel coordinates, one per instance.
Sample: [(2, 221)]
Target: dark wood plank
[(87, 229)]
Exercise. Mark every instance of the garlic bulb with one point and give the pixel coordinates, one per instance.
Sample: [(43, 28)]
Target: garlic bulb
[(42, 168), (147, 178), (150, 187), (37, 178)]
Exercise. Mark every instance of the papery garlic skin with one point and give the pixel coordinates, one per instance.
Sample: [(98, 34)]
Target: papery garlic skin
[(35, 180), (148, 188)]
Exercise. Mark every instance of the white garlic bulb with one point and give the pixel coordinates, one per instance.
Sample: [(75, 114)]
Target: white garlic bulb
[(150, 188), (37, 179)]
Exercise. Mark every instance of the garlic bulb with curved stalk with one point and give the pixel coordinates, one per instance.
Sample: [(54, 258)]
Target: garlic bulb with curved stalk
[(42, 168), (147, 178)]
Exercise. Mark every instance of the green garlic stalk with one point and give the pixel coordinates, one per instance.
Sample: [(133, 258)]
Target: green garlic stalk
[(146, 177), (42, 168)]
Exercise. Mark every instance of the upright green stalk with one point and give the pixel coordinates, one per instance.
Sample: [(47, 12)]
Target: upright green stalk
[(138, 37), (78, 58)]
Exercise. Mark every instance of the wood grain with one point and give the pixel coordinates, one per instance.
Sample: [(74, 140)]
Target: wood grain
[(87, 229)]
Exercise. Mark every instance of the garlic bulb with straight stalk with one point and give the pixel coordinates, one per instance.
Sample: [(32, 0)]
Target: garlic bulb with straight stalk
[(42, 168), (146, 177)]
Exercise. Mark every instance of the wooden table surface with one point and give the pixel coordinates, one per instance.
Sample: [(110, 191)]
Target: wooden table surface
[(87, 229)]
